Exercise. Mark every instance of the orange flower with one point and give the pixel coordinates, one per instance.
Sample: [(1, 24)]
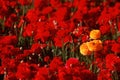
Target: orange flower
[(84, 49), (95, 45), (95, 34)]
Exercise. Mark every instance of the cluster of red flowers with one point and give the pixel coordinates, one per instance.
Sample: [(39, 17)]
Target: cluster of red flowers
[(40, 39)]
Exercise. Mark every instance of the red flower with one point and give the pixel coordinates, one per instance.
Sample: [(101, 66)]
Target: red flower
[(111, 59), (78, 31), (26, 53), (105, 29), (100, 63), (62, 37), (32, 17), (68, 39), (62, 16), (36, 47), (55, 3), (11, 76), (13, 3), (12, 65), (109, 43), (116, 48), (105, 16), (7, 40), (72, 62), (85, 38), (23, 72), (5, 62), (104, 75), (4, 9), (64, 75), (8, 51), (25, 2), (42, 34), (87, 74), (42, 74), (29, 30), (60, 41), (40, 3), (11, 19), (1, 70), (56, 63), (47, 10)]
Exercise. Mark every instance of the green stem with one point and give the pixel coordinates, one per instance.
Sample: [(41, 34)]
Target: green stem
[(3, 21)]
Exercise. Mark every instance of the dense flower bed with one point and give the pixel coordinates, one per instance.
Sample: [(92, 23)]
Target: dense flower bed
[(60, 39)]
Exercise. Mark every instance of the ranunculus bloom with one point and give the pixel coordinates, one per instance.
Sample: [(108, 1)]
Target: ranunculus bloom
[(42, 74), (40, 4), (87, 75), (105, 29), (8, 40), (95, 45), (116, 48), (23, 71), (111, 59), (95, 34), (25, 2), (36, 47), (56, 63), (47, 10), (104, 75), (72, 62), (63, 74), (84, 38), (84, 49)]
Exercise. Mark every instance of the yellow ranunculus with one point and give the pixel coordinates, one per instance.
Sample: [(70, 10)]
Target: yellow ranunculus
[(84, 49), (95, 45), (95, 34)]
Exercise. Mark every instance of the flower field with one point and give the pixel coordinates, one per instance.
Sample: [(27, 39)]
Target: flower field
[(59, 39)]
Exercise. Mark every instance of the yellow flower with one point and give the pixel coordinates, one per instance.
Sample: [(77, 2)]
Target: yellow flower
[(95, 34), (95, 45), (84, 49)]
